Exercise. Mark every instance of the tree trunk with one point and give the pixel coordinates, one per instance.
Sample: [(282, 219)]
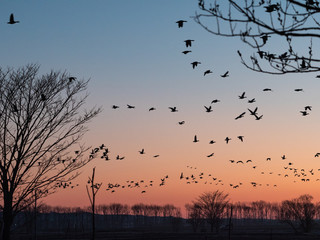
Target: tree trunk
[(7, 218)]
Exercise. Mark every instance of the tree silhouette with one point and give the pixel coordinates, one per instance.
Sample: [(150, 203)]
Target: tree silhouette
[(40, 120), (300, 210), (95, 187), (260, 22), (213, 206)]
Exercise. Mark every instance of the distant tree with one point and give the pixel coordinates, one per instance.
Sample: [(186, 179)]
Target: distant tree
[(299, 210), (40, 120), (255, 21), (213, 205), (194, 215), (94, 188)]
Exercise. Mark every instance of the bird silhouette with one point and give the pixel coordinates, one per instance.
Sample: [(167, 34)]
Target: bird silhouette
[(252, 100), (207, 72), (212, 142), (195, 64), (208, 109), (258, 117), (227, 139), (304, 113), (195, 139), (267, 90), (173, 109), (225, 74), (210, 155), (130, 106), (115, 107), (254, 112), (306, 108), (242, 96), (241, 138), (181, 123), (152, 109), (298, 90), (240, 116), (283, 157), (188, 42), (180, 23), (181, 175), (155, 156), (11, 19), (215, 101), (142, 151), (186, 52), (119, 158)]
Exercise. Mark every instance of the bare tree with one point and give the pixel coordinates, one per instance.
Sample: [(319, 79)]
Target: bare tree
[(299, 211), (255, 21), (194, 215), (40, 120), (213, 205), (94, 187)]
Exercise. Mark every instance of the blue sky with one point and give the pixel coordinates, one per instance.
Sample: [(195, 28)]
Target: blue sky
[(131, 51)]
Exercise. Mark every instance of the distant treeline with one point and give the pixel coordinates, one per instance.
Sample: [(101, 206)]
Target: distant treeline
[(299, 213)]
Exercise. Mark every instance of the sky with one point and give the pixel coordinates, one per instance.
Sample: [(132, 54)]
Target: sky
[(131, 52)]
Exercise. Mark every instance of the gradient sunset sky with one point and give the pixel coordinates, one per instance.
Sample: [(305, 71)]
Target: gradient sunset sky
[(131, 51)]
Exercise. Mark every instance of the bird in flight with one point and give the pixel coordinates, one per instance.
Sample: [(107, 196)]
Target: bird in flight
[(241, 138), (304, 113), (115, 107), (173, 109), (188, 42), (130, 106), (240, 116), (267, 90), (207, 72), (242, 96), (254, 112), (258, 117), (181, 123), (152, 109), (142, 151), (11, 20), (195, 139), (212, 142), (180, 23), (225, 74), (298, 90), (306, 108), (186, 52), (227, 139), (211, 155), (283, 157), (195, 64), (252, 100), (155, 156), (208, 109), (119, 158), (215, 101)]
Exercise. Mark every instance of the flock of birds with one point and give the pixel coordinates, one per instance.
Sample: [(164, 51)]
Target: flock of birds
[(199, 177)]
